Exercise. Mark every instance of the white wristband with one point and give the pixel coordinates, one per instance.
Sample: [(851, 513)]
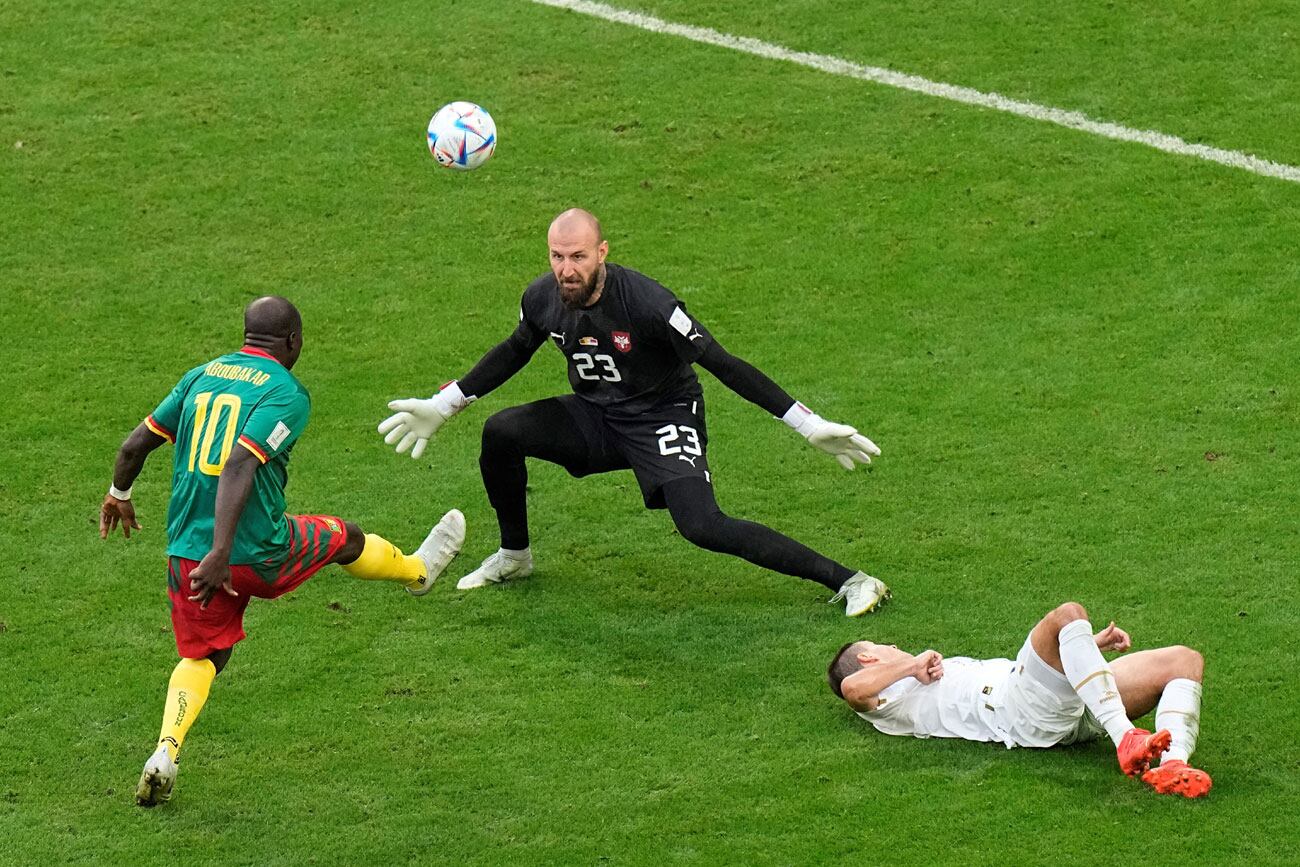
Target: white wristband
[(118, 495), (454, 397), (796, 415)]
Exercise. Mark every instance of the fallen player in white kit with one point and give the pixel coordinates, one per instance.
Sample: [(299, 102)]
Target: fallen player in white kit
[(1058, 690)]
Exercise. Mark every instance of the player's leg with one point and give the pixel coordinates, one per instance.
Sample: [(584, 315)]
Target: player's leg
[(315, 541), (700, 520), (550, 430), (205, 641), (1168, 679), (1064, 640), (187, 692), (1143, 676), (561, 430), (668, 450), (371, 557)]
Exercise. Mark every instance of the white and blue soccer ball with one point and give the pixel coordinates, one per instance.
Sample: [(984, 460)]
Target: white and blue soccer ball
[(462, 136)]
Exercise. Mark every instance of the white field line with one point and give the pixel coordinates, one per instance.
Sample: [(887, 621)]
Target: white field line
[(837, 66)]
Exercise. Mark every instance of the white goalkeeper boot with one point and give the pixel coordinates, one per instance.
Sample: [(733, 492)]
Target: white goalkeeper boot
[(440, 547), (157, 779), (497, 568), (862, 593)]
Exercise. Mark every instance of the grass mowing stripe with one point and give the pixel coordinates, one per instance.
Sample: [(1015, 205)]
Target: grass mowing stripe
[(955, 93)]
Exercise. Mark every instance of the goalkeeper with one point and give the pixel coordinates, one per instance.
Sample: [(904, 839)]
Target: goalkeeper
[(629, 345)]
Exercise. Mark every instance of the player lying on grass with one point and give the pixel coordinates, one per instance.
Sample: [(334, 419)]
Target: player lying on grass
[(234, 421), (1059, 690), (636, 404)]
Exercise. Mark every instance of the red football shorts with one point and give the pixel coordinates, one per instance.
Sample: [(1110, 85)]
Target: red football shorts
[(313, 541)]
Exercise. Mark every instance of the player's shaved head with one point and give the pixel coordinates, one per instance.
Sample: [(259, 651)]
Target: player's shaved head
[(272, 323), (845, 663), (575, 223), (272, 316), (578, 250)]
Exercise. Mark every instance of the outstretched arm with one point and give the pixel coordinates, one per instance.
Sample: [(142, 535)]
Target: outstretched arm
[(841, 441), (496, 366), (117, 507), (415, 420), (745, 379)]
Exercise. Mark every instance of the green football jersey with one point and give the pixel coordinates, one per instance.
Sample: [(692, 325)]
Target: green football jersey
[(248, 400)]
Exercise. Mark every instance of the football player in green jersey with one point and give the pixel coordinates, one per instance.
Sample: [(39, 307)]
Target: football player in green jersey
[(234, 421)]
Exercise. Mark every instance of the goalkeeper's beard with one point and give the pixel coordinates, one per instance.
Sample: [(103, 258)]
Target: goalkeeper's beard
[(577, 295)]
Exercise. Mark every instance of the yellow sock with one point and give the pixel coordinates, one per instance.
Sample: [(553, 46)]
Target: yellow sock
[(186, 693), (381, 560)]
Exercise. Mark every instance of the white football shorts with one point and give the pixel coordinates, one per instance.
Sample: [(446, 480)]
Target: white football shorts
[(1039, 708)]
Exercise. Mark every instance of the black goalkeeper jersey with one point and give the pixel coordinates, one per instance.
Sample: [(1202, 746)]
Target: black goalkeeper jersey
[(630, 351)]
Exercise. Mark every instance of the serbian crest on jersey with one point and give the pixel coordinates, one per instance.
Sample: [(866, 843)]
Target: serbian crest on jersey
[(622, 341)]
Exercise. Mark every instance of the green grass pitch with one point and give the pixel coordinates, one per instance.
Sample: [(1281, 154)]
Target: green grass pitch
[(1078, 356)]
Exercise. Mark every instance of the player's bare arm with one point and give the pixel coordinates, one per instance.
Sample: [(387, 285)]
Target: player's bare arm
[(233, 488), (117, 507), (882, 667)]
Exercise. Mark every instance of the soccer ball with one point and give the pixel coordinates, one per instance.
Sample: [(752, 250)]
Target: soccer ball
[(462, 136)]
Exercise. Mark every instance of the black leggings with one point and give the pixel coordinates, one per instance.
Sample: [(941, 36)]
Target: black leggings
[(545, 429), (701, 521)]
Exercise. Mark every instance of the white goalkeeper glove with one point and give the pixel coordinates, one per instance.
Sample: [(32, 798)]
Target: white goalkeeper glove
[(842, 442), (416, 420)]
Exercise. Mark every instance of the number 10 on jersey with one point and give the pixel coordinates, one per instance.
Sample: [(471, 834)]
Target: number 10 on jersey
[(211, 411)]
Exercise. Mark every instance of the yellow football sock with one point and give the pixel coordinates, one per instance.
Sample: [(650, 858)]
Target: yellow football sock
[(186, 693), (381, 560)]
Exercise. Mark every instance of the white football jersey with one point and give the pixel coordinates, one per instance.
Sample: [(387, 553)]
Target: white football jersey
[(958, 705)]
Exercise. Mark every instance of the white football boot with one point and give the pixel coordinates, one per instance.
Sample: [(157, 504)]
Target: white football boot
[(156, 780), (862, 593), (440, 547), (497, 568)]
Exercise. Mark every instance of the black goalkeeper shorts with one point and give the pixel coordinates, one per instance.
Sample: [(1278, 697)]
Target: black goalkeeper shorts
[(659, 445)]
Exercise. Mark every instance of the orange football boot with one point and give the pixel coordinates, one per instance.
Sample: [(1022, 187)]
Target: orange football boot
[(1176, 777), (1139, 747)]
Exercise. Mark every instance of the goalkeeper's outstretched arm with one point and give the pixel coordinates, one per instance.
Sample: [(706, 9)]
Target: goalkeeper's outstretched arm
[(841, 441), (496, 366), (415, 420), (745, 379)]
